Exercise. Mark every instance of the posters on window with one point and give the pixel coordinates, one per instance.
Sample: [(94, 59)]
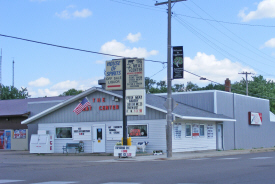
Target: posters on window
[(210, 131), (2, 138), (19, 134), (196, 130), (7, 139), (137, 130), (177, 130)]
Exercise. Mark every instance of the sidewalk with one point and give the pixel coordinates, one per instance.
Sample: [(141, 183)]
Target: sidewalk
[(107, 157)]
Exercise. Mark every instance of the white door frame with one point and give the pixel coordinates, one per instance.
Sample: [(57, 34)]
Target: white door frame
[(220, 145), (99, 144)]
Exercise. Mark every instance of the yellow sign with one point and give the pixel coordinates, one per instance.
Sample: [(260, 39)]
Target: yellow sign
[(98, 141)]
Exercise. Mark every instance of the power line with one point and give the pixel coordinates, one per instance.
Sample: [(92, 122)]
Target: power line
[(214, 46), (71, 48), (272, 59), (225, 22)]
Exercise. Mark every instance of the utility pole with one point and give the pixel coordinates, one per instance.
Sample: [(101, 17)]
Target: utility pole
[(246, 73), (169, 81)]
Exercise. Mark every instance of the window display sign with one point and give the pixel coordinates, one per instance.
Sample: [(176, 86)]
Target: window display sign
[(19, 134), (137, 130), (113, 75), (135, 102), (63, 132), (2, 138), (210, 131), (255, 118), (135, 74), (114, 132), (177, 130), (196, 130), (178, 62)]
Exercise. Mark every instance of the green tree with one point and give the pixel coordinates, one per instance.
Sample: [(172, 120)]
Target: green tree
[(192, 87), (11, 92), (71, 92)]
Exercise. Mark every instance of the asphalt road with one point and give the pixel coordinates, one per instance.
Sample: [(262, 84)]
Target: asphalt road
[(245, 168)]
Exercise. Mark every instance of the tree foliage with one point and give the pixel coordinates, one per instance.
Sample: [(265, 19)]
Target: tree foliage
[(11, 92), (71, 92)]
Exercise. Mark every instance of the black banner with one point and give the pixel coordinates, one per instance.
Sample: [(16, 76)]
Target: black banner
[(178, 62)]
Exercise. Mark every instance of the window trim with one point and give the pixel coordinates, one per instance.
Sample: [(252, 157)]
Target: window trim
[(203, 130), (188, 136), (55, 135), (136, 137)]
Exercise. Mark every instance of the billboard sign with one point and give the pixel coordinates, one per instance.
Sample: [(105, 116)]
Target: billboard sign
[(135, 73), (135, 102), (178, 62), (113, 75)]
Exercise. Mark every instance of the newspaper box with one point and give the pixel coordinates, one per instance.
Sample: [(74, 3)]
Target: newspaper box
[(125, 151)]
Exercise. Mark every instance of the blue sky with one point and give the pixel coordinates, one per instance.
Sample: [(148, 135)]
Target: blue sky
[(220, 40)]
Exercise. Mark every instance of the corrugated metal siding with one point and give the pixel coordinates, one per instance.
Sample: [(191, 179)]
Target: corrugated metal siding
[(66, 113), (228, 135), (194, 144), (204, 100), (156, 135), (252, 136), (36, 108), (225, 103)]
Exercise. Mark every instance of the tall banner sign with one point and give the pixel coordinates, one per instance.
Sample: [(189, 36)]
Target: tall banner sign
[(113, 75), (178, 62)]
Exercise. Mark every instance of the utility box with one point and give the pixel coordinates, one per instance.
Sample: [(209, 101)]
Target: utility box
[(42, 143)]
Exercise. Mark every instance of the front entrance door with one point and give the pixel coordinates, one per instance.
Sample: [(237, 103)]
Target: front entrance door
[(220, 137), (99, 138)]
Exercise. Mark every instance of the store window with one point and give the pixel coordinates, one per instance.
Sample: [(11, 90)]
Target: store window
[(188, 130), (63, 132), (137, 130), (201, 130)]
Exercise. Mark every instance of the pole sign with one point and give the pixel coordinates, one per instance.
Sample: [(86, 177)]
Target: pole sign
[(113, 75), (178, 62), (135, 102), (135, 73)]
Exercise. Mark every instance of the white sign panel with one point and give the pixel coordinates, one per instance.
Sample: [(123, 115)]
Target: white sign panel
[(177, 130), (196, 130), (210, 131), (135, 102), (255, 118), (113, 75), (125, 151), (114, 132), (82, 133), (135, 74)]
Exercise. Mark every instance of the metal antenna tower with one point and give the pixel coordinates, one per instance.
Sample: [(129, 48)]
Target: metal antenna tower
[(13, 73), (1, 68)]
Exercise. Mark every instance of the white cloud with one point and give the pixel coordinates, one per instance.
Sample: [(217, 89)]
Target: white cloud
[(209, 67), (82, 14), (65, 85), (265, 9), (116, 48), (100, 62), (63, 15), (133, 37), (270, 43), (40, 82), (66, 14)]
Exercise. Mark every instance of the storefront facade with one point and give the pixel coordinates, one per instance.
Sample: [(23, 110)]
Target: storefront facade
[(99, 126)]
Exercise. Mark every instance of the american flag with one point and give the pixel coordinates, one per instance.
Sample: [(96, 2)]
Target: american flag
[(82, 105)]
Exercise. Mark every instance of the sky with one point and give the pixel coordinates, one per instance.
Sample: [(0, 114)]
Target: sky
[(220, 39)]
